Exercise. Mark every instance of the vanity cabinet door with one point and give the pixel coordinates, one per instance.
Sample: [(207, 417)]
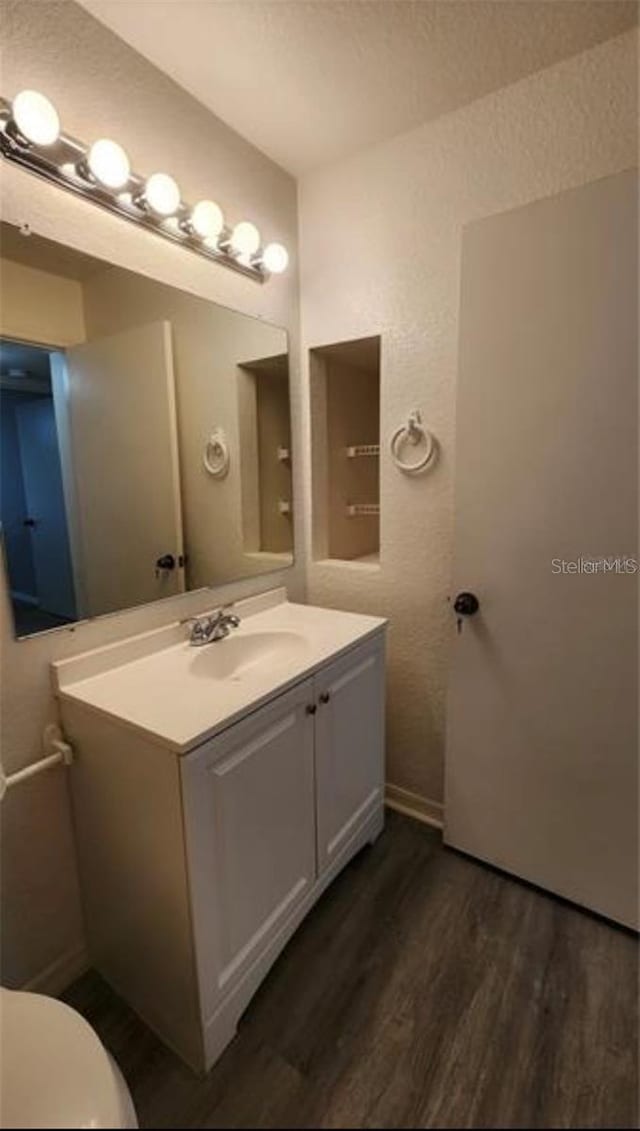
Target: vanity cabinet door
[(248, 798), (349, 746)]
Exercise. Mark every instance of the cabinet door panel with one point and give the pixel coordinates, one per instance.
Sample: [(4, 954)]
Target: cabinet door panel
[(249, 802), (349, 745)]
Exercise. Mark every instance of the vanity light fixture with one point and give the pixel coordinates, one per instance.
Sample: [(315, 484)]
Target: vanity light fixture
[(108, 163), (161, 194), (245, 239), (30, 136), (205, 220), (34, 119), (275, 258)]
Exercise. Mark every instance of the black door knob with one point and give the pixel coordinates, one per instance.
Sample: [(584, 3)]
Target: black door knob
[(167, 561), (466, 604)]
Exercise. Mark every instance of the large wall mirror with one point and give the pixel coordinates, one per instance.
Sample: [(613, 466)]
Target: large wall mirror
[(146, 438)]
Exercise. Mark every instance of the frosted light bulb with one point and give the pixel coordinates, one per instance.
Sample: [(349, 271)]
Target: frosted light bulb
[(35, 117), (275, 258), (207, 219), (109, 163), (162, 194), (245, 238)]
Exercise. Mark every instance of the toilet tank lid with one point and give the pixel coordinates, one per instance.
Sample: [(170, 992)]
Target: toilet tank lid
[(54, 1071)]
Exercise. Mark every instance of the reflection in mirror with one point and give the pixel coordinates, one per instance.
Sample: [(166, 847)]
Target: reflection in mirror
[(146, 441)]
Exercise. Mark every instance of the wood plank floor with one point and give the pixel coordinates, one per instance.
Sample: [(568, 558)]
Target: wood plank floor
[(424, 990)]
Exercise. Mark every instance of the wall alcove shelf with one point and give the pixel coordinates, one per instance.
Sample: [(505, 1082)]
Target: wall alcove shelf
[(263, 398), (354, 451), (345, 420)]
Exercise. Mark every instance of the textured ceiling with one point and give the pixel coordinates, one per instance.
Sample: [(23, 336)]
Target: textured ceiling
[(311, 81)]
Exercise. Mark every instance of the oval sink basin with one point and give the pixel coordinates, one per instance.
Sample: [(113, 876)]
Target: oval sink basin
[(237, 655)]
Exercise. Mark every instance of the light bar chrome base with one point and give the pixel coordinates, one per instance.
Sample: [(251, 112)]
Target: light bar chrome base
[(65, 164)]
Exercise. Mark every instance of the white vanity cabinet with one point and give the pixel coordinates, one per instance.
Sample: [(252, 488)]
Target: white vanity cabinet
[(349, 747), (249, 804), (197, 866)]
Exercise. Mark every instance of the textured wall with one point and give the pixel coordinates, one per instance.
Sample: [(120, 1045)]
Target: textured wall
[(380, 252), (102, 87)]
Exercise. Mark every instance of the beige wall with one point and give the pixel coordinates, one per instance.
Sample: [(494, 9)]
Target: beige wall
[(36, 306), (58, 48), (380, 253)]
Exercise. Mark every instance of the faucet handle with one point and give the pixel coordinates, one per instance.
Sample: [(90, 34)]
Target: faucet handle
[(212, 626), (225, 612), (199, 627)]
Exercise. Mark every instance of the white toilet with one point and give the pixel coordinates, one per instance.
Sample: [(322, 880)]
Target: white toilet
[(54, 1071)]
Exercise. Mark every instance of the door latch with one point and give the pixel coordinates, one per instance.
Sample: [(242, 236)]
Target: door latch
[(465, 605)]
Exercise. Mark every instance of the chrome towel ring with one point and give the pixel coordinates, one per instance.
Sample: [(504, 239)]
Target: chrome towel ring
[(413, 433)]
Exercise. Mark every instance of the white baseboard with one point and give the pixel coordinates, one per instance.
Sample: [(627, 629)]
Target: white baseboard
[(59, 974), (414, 805)]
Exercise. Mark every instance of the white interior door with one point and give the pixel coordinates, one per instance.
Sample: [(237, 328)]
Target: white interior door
[(46, 516), (125, 457), (61, 408), (542, 751)]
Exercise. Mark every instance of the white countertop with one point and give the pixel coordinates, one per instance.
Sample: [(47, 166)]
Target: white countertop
[(180, 696)]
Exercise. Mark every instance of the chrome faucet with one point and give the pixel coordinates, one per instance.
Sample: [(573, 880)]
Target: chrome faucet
[(207, 629)]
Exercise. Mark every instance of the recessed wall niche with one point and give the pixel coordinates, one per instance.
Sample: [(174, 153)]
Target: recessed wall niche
[(345, 421), (265, 452)]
